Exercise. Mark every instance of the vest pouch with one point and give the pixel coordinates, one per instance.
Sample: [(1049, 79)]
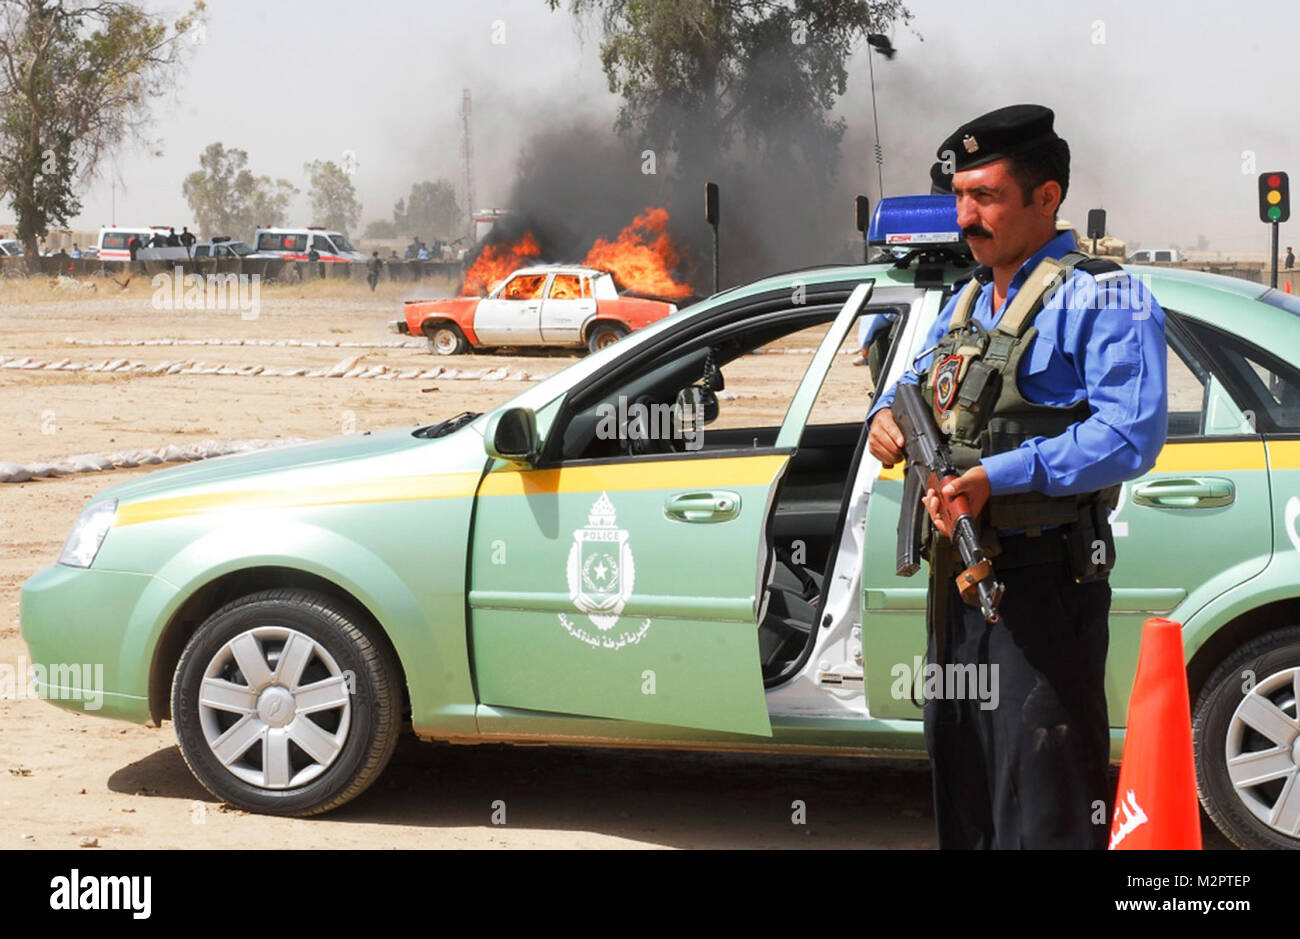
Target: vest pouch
[(975, 399), (1090, 544)]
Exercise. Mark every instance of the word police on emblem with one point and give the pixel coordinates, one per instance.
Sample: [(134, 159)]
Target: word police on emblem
[(601, 576), (945, 382)]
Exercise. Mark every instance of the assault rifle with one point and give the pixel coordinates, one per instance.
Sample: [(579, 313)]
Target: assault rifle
[(930, 466)]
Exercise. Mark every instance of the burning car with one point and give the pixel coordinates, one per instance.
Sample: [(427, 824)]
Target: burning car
[(547, 305)]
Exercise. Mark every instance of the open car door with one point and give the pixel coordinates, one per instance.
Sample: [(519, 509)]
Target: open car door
[(628, 587)]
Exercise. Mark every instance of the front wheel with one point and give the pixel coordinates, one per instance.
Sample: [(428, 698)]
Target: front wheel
[(1247, 736), (447, 339), (605, 334), (284, 705)]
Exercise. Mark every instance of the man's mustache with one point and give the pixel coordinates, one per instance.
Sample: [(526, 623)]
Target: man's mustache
[(976, 231)]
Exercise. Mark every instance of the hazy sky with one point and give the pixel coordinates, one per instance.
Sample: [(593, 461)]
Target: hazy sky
[(1158, 100)]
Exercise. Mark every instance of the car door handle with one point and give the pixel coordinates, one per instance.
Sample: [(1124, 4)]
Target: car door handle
[(1193, 492), (703, 506)]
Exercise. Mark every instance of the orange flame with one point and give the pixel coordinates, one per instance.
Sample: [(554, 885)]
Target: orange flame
[(642, 257), (497, 262)]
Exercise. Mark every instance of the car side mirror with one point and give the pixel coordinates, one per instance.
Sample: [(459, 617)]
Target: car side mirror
[(511, 434)]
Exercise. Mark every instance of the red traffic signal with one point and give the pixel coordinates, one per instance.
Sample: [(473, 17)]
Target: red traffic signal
[(1274, 197)]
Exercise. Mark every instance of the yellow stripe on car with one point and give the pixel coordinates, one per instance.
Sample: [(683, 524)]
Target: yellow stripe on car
[(505, 481), (393, 489)]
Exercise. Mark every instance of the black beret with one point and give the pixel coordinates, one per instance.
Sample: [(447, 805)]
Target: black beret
[(1005, 132)]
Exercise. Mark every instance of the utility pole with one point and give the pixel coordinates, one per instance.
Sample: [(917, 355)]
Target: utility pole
[(467, 146)]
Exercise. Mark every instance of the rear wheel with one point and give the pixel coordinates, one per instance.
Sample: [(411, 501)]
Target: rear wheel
[(284, 705), (605, 334), (1247, 734), (446, 339)]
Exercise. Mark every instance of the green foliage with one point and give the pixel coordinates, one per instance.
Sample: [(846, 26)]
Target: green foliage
[(333, 199), (227, 199), (698, 77), (431, 211), (380, 228), (77, 80)]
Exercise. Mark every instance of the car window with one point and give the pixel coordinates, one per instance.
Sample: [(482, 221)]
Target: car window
[(1265, 387), (524, 287), (322, 244), (683, 399), (567, 287), (1164, 256), (846, 393), (200, 251), (115, 239), (341, 243), (1186, 379)]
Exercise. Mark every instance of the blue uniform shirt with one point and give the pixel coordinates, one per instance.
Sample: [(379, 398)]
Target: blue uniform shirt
[(1103, 340)]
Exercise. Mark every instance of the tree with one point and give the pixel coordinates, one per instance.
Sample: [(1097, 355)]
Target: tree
[(697, 76), (227, 199), (77, 79), (333, 199), (381, 228), (432, 210)]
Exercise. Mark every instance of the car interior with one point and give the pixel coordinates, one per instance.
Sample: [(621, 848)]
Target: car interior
[(678, 391)]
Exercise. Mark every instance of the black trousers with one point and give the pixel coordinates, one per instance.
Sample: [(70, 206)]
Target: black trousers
[(1025, 766)]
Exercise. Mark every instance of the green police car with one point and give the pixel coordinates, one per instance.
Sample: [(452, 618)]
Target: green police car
[(620, 557)]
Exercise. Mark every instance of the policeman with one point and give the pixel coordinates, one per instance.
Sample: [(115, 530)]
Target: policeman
[(1047, 372)]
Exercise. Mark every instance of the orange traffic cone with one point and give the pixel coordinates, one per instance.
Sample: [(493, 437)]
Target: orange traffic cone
[(1288, 285), (1155, 807)]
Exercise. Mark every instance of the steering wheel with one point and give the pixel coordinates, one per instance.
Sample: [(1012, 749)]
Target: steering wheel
[(642, 438)]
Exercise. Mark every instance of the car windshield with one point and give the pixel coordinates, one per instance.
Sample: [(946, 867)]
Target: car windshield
[(341, 242), (239, 248)]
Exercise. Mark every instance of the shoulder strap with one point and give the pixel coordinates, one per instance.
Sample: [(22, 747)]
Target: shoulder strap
[(965, 304), (1046, 277)]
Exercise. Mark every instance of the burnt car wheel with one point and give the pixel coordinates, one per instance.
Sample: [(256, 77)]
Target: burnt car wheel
[(605, 334), (1247, 736), (446, 339), (284, 704)]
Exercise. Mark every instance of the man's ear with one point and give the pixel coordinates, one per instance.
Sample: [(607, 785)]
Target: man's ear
[(1048, 198)]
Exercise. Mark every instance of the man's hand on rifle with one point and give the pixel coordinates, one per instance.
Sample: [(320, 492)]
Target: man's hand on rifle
[(974, 484), (885, 441)]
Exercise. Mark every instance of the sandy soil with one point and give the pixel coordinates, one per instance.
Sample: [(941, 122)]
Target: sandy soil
[(65, 777)]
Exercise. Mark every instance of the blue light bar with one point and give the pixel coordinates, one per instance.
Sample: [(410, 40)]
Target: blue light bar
[(903, 221)]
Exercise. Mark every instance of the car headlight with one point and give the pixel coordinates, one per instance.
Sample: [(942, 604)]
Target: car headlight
[(88, 534)]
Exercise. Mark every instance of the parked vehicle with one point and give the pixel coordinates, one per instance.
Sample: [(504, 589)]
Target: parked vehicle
[(299, 244), (546, 305), (544, 574), (1156, 256), (113, 241)]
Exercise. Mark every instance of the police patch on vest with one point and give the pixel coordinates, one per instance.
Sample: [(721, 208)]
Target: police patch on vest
[(945, 382)]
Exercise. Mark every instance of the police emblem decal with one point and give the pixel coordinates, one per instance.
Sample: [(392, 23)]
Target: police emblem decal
[(970, 143), (945, 382), (601, 575)]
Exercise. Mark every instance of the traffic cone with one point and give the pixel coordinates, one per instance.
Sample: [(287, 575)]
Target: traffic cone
[(1287, 288), (1156, 807)]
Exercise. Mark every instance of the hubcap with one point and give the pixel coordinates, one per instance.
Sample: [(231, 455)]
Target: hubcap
[(275, 707), (444, 342), (1263, 751), (606, 339)]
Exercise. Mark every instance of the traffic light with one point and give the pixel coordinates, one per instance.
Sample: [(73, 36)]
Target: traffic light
[(1274, 197)]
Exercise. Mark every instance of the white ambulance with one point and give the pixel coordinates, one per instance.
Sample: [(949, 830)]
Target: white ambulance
[(113, 241), (297, 244)]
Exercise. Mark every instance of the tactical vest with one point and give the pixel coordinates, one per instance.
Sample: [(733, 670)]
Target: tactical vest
[(975, 394)]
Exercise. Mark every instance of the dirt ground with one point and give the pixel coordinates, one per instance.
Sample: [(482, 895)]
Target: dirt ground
[(65, 777)]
